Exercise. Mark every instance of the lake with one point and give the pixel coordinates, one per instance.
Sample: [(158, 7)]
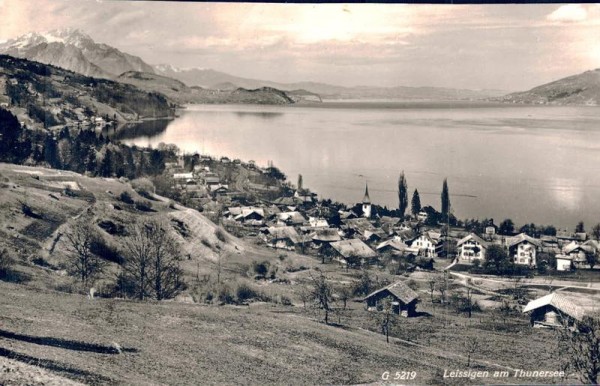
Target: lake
[(528, 163)]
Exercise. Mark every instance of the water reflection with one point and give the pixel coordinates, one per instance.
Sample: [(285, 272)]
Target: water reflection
[(259, 114), (146, 129)]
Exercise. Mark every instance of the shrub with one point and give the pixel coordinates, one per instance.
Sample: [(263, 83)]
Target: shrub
[(125, 196), (261, 269), (41, 262), (225, 295), (284, 300), (6, 264), (476, 263), (144, 206), (143, 186), (245, 292), (221, 236), (412, 284)]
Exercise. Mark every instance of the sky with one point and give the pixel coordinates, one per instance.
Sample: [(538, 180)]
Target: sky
[(509, 47)]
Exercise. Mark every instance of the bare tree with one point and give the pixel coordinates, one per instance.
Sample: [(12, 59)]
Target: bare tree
[(472, 345), (83, 263), (432, 285), (323, 295), (386, 318), (152, 262), (442, 285), (345, 294), (580, 350)]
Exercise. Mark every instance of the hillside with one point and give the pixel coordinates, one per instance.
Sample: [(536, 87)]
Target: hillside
[(45, 95), (75, 51), (209, 78), (178, 92), (581, 89)]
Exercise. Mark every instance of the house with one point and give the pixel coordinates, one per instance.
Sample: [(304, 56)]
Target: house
[(291, 218), (183, 176), (357, 226), (247, 214), (554, 310), (317, 222), (403, 299), (396, 247), (426, 243), (422, 216), (325, 236), (284, 237), (563, 263), (470, 248), (577, 252), (353, 248), (523, 249)]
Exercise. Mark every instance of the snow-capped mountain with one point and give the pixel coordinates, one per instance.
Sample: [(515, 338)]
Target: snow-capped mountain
[(74, 50)]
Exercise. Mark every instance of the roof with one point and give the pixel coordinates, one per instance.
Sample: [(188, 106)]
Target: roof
[(245, 211), (279, 233), (329, 234), (293, 217), (399, 290), (523, 237), (474, 237), (353, 247), (359, 224), (183, 176), (559, 301), (366, 198), (394, 244)]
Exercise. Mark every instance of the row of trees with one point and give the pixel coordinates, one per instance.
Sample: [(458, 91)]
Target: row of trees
[(415, 204), (149, 261), (78, 150)]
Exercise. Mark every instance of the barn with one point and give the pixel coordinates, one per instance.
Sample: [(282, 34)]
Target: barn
[(554, 310), (404, 299)]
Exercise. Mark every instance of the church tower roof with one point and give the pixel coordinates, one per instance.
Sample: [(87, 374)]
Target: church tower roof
[(366, 199)]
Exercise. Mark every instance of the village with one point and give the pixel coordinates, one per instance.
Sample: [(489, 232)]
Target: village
[(258, 204)]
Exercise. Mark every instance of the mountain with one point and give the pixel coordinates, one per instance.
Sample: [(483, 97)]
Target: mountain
[(581, 89), (43, 95), (179, 93), (219, 80), (74, 50)]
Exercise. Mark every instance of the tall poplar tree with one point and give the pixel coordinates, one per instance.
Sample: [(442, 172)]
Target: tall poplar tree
[(416, 203), (402, 194), (445, 199)]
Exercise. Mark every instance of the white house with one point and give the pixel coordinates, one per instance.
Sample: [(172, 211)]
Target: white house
[(470, 248), (426, 243), (563, 263), (523, 249)]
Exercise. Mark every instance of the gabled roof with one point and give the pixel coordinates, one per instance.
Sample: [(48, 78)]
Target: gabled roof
[(280, 233), (353, 247), (399, 290), (359, 224), (328, 234), (474, 237), (293, 217), (522, 237), (394, 244), (559, 301)]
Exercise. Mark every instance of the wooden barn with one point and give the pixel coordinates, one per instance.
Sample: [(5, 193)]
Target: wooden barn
[(404, 299), (554, 310)]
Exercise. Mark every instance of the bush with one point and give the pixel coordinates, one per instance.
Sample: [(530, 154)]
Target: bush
[(125, 196), (225, 295), (284, 300), (476, 263), (221, 236), (143, 186), (245, 292), (144, 206), (261, 269), (6, 264)]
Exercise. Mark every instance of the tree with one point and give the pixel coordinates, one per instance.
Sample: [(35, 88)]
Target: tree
[(6, 263), (353, 261), (596, 231), (385, 317), (591, 257), (365, 285), (445, 199), (415, 203), (507, 227), (580, 350), (344, 295), (402, 194), (442, 285), (472, 345), (299, 182), (322, 294), (497, 258), (152, 262), (83, 264), (580, 228), (432, 285)]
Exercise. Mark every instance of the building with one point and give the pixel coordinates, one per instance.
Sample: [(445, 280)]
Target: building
[(470, 248), (427, 243), (366, 203), (403, 299), (352, 249), (523, 249), (563, 263), (554, 310), (325, 236), (284, 237)]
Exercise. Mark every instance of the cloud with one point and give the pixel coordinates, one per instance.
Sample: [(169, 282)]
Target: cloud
[(569, 13)]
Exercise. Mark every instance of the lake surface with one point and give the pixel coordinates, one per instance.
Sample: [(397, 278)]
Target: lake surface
[(530, 163)]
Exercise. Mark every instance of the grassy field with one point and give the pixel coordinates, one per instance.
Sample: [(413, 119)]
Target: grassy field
[(176, 343), (50, 332)]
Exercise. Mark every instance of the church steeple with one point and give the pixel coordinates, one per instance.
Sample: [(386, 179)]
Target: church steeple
[(366, 203), (366, 198)]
